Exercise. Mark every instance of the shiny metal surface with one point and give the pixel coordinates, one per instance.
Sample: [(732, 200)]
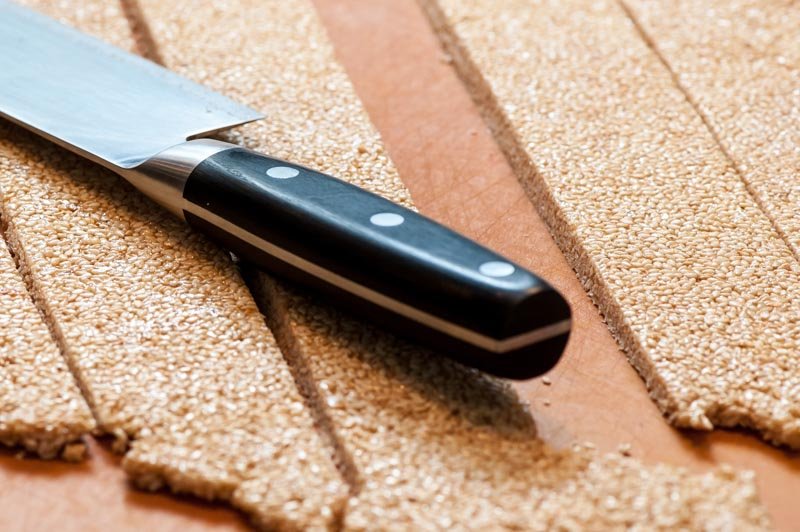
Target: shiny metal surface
[(163, 176), (97, 100)]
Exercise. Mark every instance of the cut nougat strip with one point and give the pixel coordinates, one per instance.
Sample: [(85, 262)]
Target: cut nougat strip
[(160, 330), (700, 290), (437, 446), (739, 63), (41, 407)]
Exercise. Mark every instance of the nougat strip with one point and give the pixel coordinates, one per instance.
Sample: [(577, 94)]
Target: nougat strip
[(160, 330), (41, 406), (739, 63), (700, 290)]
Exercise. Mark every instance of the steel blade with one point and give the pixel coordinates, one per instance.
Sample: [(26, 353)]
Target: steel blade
[(112, 106)]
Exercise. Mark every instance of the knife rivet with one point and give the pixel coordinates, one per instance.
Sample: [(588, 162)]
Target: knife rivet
[(386, 219), (496, 268), (283, 172)]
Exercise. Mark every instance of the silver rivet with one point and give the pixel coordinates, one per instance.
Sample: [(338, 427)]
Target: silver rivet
[(386, 219), (282, 172), (496, 268)]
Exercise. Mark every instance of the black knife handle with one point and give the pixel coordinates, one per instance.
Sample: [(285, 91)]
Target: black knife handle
[(380, 260)]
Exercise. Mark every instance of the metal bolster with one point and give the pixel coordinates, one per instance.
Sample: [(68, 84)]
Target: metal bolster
[(163, 176)]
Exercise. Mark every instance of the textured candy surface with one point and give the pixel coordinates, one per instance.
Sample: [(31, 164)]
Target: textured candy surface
[(739, 63), (424, 443), (41, 407), (699, 288), (161, 331)]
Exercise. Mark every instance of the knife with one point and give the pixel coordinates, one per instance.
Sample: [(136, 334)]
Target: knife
[(372, 256)]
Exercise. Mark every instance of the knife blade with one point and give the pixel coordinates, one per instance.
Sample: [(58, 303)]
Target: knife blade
[(371, 256)]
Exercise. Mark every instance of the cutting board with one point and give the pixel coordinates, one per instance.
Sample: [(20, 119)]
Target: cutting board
[(457, 175)]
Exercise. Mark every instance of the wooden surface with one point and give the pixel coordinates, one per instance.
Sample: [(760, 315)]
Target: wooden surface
[(457, 175)]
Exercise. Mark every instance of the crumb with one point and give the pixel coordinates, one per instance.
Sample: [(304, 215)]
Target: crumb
[(74, 452), (120, 443)]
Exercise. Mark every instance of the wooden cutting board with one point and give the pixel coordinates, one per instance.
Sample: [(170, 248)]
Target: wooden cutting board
[(457, 175)]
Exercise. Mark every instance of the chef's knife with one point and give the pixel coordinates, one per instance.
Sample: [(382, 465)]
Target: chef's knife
[(381, 260)]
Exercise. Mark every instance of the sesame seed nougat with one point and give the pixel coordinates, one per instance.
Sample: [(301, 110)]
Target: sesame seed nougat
[(426, 443), (701, 291), (739, 63), (437, 446), (160, 330), (41, 407)]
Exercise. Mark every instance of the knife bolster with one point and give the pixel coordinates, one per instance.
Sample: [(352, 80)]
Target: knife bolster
[(162, 177)]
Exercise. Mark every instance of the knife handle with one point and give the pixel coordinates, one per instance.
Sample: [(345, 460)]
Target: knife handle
[(379, 259)]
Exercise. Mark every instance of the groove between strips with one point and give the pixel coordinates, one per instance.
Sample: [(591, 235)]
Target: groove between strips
[(648, 39)]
